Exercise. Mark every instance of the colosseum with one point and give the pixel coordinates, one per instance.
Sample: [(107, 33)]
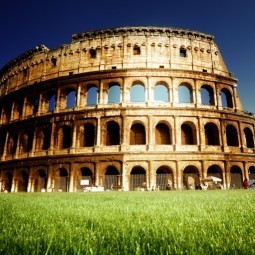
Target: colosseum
[(125, 109)]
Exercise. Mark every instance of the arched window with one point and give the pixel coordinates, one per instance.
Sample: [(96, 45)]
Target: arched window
[(114, 93), (112, 178), (137, 93), (162, 134), (87, 178), (6, 114), (2, 141), (92, 95), (191, 178), (137, 178), (61, 180), (113, 133), (226, 98), (23, 181), (43, 139), (71, 99), (7, 181), (161, 93), (232, 136), (252, 172), (52, 103), (65, 137), (249, 138), (17, 109), (211, 134), (185, 94), (187, 136), (89, 135), (137, 134), (207, 95), (11, 143)]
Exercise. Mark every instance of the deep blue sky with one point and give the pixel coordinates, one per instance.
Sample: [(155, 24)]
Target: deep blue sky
[(26, 24)]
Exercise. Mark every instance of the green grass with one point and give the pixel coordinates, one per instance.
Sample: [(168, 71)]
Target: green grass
[(175, 222)]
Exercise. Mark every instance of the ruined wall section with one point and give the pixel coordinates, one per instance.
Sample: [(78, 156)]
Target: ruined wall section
[(117, 49)]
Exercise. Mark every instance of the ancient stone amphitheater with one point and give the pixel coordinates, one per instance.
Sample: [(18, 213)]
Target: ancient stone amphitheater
[(124, 108)]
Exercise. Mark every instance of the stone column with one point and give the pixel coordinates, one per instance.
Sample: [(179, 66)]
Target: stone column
[(78, 96), (178, 177), (71, 178)]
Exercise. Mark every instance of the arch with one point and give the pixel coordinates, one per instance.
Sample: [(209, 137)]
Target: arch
[(137, 178), (137, 134), (112, 178), (252, 172), (17, 109), (236, 180), (164, 178), (249, 138), (207, 95), (211, 134), (32, 105), (22, 181), (7, 181), (113, 133), (3, 134), (226, 98), (11, 143), (40, 181), (216, 171), (232, 136), (188, 134), (113, 93), (71, 98), (51, 102), (85, 178), (191, 178), (61, 180), (162, 135), (89, 135), (43, 138), (161, 93), (26, 141), (92, 95), (64, 137), (6, 114), (185, 93), (137, 93)]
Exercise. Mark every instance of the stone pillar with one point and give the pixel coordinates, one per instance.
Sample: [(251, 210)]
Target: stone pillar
[(150, 133), (218, 97), (227, 181), (197, 93), (223, 136), (49, 179), (98, 143), (178, 177), (241, 135), (201, 131), (78, 96), (125, 179), (71, 178)]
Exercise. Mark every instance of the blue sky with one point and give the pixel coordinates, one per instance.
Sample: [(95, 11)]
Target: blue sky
[(26, 24)]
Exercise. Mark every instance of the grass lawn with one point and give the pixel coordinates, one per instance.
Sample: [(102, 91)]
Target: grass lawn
[(173, 222)]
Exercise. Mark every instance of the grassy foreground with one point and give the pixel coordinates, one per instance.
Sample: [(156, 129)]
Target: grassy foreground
[(175, 222)]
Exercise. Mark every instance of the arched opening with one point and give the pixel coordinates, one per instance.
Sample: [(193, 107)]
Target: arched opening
[(162, 134), (43, 138), (112, 178), (85, 178), (249, 139), (32, 105), (71, 99), (17, 109), (26, 141), (161, 93), (7, 182), (113, 133), (23, 181), (236, 180), (185, 94), (89, 135), (191, 178), (92, 95), (6, 114), (137, 178), (226, 98), (11, 143), (164, 179), (232, 136), (51, 102), (65, 137), (252, 172), (207, 95), (137, 134), (61, 180), (113, 93), (211, 134), (188, 136), (137, 93), (3, 134), (215, 171), (40, 181)]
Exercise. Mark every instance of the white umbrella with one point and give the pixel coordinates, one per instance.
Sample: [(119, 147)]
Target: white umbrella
[(211, 179)]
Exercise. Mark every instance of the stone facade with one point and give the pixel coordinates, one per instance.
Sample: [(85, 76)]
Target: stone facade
[(123, 108)]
